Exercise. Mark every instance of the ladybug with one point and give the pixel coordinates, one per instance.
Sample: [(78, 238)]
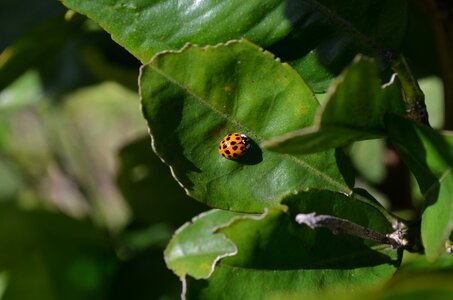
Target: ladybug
[(234, 145)]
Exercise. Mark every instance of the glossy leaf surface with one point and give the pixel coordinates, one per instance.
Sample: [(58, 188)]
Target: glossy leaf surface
[(298, 31), (194, 97)]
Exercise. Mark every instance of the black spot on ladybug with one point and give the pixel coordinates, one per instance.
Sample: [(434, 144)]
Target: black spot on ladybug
[(233, 143), (242, 148), (235, 148), (235, 154), (228, 138), (224, 146), (227, 151)]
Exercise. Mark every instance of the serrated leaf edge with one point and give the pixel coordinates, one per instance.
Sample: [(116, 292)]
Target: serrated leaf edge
[(341, 187)]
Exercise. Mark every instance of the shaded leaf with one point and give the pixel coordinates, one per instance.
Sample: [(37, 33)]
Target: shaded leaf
[(355, 110), (429, 155), (194, 97), (277, 256), (13, 12)]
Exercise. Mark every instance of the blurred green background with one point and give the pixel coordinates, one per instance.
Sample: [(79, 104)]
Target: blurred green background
[(86, 208)]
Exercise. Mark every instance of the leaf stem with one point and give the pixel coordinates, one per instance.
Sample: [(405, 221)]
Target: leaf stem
[(412, 94), (339, 225)]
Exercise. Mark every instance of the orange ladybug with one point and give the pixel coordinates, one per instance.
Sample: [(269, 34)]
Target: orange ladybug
[(234, 145)]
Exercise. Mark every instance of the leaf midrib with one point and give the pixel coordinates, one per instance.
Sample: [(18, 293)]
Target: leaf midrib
[(317, 173)]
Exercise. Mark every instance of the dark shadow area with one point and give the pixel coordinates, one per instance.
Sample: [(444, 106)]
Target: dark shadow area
[(333, 49), (318, 36), (406, 140), (145, 277), (164, 117), (85, 59), (345, 166), (253, 156)]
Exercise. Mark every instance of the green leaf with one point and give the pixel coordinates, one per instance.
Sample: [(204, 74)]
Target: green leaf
[(144, 29), (429, 155), (13, 12), (276, 256), (291, 29), (194, 97), (195, 249), (355, 110)]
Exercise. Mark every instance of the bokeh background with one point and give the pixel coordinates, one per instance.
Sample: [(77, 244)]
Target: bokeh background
[(86, 208)]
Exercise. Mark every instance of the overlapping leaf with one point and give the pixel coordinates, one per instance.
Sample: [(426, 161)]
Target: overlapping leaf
[(294, 30), (193, 97), (276, 256), (195, 248), (355, 110), (429, 155)]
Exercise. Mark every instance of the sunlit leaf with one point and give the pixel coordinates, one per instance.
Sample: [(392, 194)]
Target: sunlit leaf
[(297, 31), (195, 248), (194, 97)]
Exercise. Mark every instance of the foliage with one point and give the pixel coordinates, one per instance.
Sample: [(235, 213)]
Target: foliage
[(87, 207)]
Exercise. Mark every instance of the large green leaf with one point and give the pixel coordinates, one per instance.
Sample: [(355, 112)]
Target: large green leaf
[(276, 256), (429, 155), (143, 27), (355, 110), (193, 97), (294, 30)]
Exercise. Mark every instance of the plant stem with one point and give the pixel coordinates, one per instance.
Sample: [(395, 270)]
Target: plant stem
[(413, 96), (338, 225)]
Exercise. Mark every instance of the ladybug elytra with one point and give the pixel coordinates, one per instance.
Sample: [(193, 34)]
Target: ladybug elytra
[(234, 145)]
